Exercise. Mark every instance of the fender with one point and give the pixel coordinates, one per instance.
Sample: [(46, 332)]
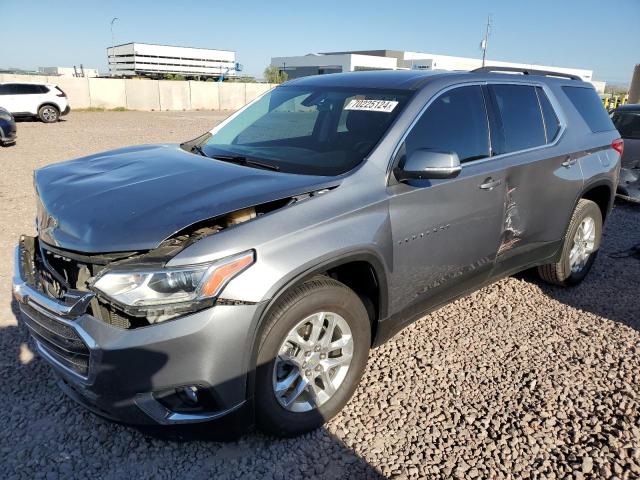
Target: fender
[(304, 273), (598, 182)]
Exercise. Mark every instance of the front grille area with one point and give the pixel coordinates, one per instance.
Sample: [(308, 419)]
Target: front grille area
[(59, 340)]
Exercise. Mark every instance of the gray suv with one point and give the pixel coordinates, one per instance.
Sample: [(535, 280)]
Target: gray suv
[(253, 268)]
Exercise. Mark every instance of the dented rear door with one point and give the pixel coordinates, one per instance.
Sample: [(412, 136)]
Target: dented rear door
[(542, 174)]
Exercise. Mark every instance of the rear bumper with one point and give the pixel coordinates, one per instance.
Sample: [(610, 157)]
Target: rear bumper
[(65, 111), (629, 184), (127, 370)]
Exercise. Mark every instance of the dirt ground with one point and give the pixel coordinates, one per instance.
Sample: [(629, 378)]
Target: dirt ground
[(519, 380)]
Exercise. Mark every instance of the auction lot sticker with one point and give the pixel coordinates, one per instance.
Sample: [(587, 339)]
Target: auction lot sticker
[(372, 105)]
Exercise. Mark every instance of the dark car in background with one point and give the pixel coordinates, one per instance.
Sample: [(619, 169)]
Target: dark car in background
[(627, 121), (8, 128)]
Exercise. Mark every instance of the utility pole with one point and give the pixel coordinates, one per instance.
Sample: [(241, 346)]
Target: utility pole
[(485, 40), (113, 43)]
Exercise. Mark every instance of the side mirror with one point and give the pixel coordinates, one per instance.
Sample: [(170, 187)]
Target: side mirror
[(422, 164)]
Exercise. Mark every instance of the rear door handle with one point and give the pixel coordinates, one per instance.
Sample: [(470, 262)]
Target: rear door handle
[(568, 162), (490, 184)]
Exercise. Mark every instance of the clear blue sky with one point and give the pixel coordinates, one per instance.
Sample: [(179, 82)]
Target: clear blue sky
[(603, 35)]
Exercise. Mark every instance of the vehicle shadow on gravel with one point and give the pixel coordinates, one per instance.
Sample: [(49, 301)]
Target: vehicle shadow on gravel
[(611, 290), (45, 433)]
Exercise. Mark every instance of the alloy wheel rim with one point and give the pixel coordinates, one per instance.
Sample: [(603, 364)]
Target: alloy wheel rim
[(312, 362), (49, 113), (584, 242)]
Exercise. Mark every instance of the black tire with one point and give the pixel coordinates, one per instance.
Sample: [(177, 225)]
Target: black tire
[(48, 114), (318, 294), (560, 273)]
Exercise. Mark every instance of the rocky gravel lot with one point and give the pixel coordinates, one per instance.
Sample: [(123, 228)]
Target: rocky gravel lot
[(519, 380)]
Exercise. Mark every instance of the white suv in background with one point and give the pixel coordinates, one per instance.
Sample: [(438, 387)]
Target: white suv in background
[(45, 101)]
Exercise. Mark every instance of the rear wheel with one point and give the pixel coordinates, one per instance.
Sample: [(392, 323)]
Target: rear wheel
[(580, 247), (311, 357), (48, 114)]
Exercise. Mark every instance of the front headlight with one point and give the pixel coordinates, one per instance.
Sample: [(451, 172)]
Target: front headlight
[(6, 116), (170, 286)]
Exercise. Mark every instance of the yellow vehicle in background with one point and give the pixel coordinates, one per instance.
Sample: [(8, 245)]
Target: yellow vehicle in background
[(612, 102)]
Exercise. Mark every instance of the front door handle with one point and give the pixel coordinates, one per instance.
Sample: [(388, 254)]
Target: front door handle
[(568, 162), (490, 184)]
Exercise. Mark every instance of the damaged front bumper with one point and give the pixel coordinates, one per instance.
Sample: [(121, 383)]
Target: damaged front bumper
[(629, 184), (132, 375)]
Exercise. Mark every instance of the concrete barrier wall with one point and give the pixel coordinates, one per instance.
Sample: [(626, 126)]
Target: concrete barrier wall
[(107, 93), (77, 90), (232, 96), (137, 94), (174, 95), (142, 94), (205, 95)]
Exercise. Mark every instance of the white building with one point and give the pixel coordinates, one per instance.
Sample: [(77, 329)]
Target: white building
[(69, 71), (144, 59), (334, 62)]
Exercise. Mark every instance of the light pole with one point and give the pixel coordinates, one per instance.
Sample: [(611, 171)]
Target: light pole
[(113, 43)]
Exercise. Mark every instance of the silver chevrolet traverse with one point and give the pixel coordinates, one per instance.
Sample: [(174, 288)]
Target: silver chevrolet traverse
[(253, 268)]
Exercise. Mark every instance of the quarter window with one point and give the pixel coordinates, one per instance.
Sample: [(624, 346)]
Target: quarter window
[(590, 108), (455, 122), (521, 118), (551, 122)]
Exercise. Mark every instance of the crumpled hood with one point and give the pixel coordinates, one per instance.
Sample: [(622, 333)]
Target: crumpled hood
[(134, 198)]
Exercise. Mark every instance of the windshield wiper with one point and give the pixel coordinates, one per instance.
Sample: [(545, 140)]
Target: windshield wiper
[(198, 149), (246, 162)]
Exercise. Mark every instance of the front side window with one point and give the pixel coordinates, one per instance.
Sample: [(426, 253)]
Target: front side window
[(456, 121), (309, 130), (8, 89), (521, 118), (628, 124)]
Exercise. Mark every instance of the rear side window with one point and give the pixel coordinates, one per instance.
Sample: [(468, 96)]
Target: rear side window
[(551, 122), (456, 121), (522, 124), (26, 89), (628, 124), (590, 108)]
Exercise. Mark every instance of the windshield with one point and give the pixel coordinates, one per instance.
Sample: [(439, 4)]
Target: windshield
[(308, 130)]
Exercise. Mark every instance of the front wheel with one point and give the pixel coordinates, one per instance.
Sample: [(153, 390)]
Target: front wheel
[(580, 247), (311, 357), (48, 114)]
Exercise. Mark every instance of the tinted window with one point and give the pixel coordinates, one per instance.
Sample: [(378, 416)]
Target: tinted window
[(628, 124), (455, 122), (26, 89), (522, 125), (551, 122), (590, 108), (8, 89)]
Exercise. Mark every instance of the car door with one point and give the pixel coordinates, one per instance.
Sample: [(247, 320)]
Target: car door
[(542, 178), (8, 97), (28, 97), (446, 232)]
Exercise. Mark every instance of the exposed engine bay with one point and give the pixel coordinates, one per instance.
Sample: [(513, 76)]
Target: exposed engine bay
[(63, 274)]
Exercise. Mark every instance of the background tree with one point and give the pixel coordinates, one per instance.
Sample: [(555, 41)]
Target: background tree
[(273, 74)]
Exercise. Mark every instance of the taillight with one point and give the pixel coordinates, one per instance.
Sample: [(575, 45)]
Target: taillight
[(618, 145), (61, 94)]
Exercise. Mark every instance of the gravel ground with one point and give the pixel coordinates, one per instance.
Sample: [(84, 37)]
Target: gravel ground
[(519, 380)]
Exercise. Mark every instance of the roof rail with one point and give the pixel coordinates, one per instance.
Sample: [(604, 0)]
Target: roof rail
[(527, 71)]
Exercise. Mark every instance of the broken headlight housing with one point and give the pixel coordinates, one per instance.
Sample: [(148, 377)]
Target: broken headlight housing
[(163, 293)]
